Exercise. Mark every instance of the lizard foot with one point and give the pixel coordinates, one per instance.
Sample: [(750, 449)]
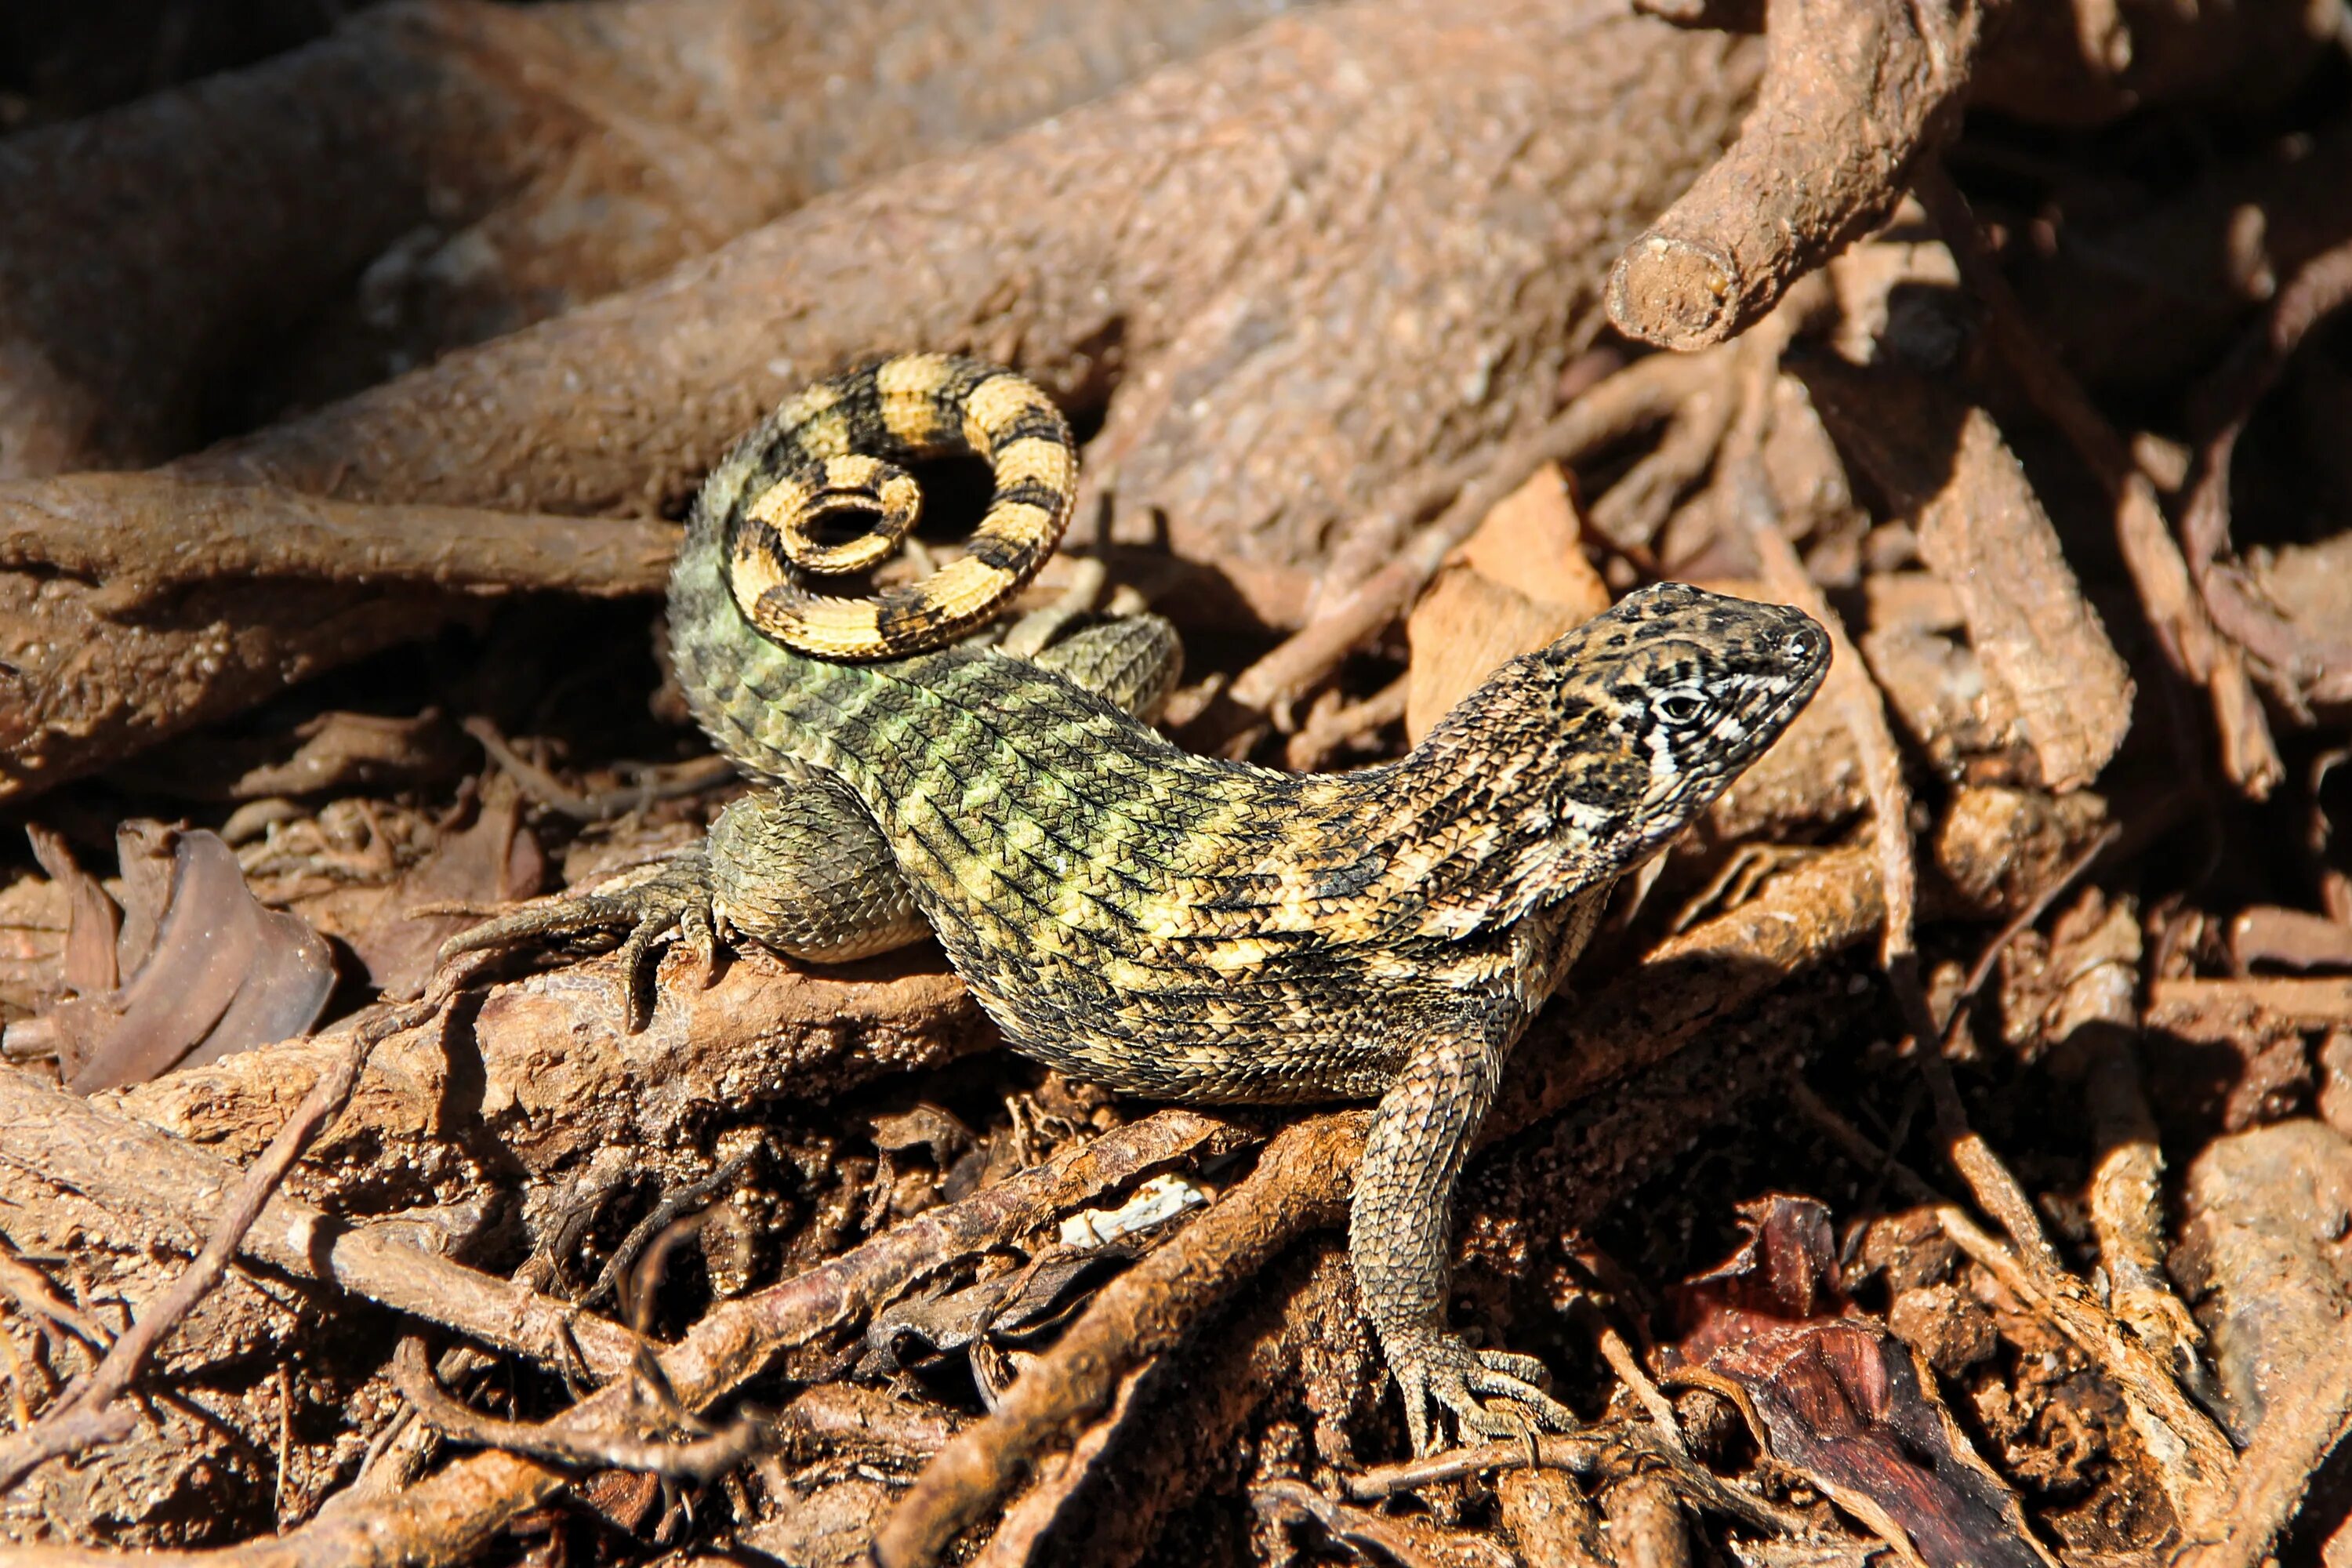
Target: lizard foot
[(673, 894), (1436, 1368)]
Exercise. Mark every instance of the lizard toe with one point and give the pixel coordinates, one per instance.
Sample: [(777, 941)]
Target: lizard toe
[(674, 894), (1437, 1369)]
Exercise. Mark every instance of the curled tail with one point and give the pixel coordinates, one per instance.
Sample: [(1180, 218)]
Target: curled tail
[(817, 490)]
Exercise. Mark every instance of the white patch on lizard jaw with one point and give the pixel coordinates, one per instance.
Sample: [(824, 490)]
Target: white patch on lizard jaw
[(1587, 819)]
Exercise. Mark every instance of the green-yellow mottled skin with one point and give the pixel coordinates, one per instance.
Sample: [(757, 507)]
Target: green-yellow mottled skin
[(1167, 924)]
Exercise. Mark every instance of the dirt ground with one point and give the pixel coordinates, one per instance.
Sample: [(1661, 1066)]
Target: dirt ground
[(1942, 1155)]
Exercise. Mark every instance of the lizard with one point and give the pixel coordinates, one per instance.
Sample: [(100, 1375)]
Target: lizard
[(1169, 925)]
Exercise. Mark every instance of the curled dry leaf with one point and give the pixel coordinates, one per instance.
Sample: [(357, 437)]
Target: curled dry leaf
[(1836, 1397), (224, 973)]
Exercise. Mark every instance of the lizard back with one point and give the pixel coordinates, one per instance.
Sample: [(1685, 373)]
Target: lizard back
[(1183, 926)]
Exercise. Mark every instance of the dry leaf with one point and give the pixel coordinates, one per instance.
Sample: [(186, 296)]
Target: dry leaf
[(1514, 585), (224, 974)]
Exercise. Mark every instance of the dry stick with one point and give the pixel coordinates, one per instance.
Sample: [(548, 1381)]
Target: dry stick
[(1325, 733), (1858, 1146), (449, 1517), (1854, 94), (87, 1411), (544, 788), (1850, 688), (2303, 659), (1013, 1543), (1579, 1453), (1301, 1181), (1642, 394), (129, 1166), (2167, 594), (2028, 917), (1392, 1539), (2194, 1460), (146, 534), (1636, 1377), (1619, 1446), (29, 1288), (2098, 1015), (700, 1460)]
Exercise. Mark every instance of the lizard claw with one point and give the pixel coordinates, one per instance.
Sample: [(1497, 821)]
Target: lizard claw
[(674, 894), (1434, 1368)]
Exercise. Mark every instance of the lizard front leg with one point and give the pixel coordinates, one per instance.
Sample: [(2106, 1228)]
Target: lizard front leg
[(1398, 1230)]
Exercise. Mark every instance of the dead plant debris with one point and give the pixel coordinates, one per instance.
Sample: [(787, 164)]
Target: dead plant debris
[(1943, 1159)]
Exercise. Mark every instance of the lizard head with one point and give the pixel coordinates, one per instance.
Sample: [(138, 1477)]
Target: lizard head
[(1579, 761), (1663, 700)]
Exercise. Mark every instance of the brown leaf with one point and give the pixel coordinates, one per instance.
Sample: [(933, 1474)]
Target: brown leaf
[(226, 974), (1834, 1396), (96, 920), (1514, 585)]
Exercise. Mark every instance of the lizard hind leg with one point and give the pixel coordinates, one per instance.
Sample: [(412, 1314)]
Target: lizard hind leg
[(798, 867)]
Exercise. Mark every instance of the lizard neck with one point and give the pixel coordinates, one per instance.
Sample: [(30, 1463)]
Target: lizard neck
[(1471, 833)]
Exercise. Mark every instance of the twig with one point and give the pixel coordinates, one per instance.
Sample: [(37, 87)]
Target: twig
[(87, 1411), (146, 534), (1604, 1444), (1646, 1527), (2194, 1461), (2167, 594), (699, 1461), (2206, 1009), (1643, 393), (545, 789), (1636, 1377), (1857, 699), (1853, 97), (2026, 918), (1301, 1181), (2304, 661), (29, 1288), (1014, 1542), (1392, 1539), (1578, 1453), (1858, 1145), (129, 1166), (1325, 732), (670, 1207)]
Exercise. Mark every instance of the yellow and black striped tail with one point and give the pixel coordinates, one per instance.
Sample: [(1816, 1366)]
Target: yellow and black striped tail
[(831, 453)]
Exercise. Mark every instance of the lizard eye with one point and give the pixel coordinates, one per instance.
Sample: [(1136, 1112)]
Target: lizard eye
[(1680, 706)]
